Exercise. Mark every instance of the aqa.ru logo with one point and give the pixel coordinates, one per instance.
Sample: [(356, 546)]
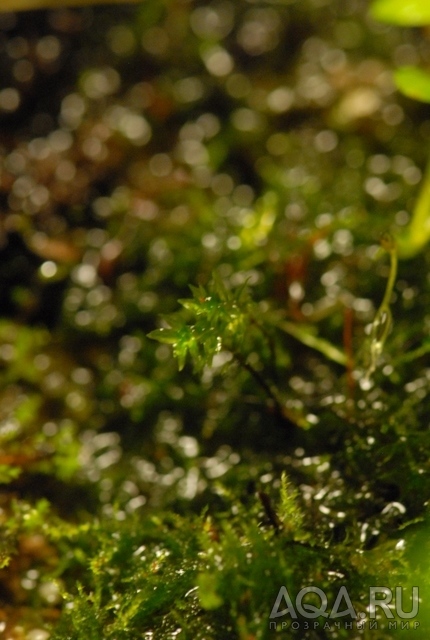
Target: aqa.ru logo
[(308, 610)]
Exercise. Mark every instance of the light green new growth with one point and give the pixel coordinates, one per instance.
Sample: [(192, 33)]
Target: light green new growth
[(290, 512)]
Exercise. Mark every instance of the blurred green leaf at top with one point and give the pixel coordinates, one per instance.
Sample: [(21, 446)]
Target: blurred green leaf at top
[(409, 13), (28, 5)]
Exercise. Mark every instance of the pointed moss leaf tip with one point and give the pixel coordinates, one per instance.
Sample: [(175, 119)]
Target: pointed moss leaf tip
[(167, 336)]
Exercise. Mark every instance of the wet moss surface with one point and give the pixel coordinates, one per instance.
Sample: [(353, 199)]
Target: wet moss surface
[(205, 184)]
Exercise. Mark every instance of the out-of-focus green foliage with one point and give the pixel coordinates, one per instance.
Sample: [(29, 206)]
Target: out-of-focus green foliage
[(414, 13), (32, 5), (417, 234), (413, 82)]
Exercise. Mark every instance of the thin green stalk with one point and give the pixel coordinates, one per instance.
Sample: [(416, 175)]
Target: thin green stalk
[(303, 335), (383, 321)]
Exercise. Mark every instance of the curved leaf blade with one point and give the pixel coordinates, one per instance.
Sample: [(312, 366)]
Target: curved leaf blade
[(413, 82), (407, 13)]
